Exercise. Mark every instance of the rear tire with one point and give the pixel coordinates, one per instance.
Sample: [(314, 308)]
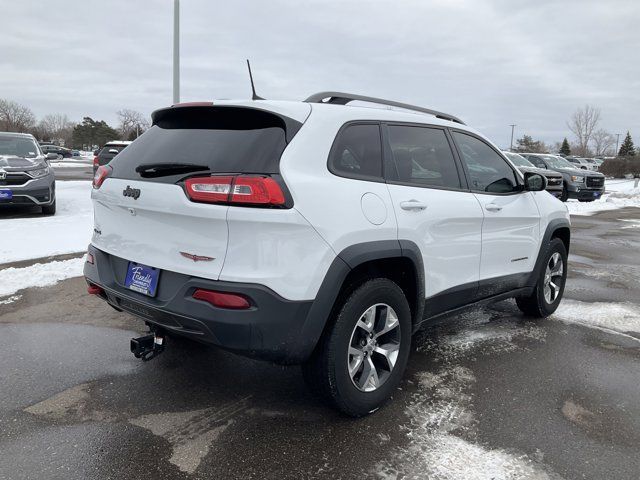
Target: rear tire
[(549, 288), (360, 359)]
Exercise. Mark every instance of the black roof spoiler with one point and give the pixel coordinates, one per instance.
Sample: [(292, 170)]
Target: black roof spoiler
[(339, 98)]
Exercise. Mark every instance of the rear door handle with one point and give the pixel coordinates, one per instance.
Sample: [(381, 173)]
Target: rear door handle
[(492, 207), (413, 205)]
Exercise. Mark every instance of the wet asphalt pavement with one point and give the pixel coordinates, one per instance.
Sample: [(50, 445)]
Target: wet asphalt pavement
[(488, 395)]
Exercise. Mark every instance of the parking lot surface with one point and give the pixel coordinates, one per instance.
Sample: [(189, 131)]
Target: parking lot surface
[(490, 394)]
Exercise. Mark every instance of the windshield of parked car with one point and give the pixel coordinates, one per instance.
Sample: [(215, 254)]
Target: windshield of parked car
[(18, 146), (556, 162), (518, 160)]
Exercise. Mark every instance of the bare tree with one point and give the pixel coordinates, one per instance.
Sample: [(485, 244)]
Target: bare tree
[(583, 123), (132, 123), (55, 126), (15, 117), (602, 141)]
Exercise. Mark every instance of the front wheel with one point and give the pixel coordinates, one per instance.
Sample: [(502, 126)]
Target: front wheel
[(49, 209), (565, 194), (361, 358), (549, 288)]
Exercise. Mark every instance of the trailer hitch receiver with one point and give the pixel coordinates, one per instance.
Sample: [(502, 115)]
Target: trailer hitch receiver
[(148, 346)]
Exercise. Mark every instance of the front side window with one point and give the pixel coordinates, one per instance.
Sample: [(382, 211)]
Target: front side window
[(488, 171), (357, 152), (423, 156)]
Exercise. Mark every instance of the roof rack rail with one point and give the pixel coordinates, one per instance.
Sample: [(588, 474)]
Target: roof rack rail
[(339, 98)]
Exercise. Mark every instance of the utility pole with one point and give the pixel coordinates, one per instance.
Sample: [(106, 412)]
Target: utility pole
[(617, 141), (513, 126), (176, 51)]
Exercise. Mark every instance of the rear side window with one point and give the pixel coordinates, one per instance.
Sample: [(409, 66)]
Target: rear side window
[(218, 139), (357, 152), (488, 171), (108, 152), (423, 156)]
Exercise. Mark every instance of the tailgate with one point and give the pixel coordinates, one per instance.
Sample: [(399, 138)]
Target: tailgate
[(159, 227)]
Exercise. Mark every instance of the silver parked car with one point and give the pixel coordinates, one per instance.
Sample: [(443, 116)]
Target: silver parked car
[(25, 175)]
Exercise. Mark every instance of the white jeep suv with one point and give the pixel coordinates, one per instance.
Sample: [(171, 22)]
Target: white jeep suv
[(320, 233)]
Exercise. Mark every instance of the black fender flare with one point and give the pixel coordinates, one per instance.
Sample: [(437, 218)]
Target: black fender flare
[(348, 259), (552, 227)]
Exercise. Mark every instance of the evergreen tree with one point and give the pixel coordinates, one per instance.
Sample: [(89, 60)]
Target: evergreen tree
[(93, 132), (565, 149), (627, 149), (528, 144)]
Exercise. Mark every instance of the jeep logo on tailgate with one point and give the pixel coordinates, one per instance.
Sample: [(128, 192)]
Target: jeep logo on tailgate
[(131, 192)]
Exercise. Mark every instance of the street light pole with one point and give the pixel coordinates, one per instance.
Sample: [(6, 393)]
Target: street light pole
[(617, 141), (176, 51), (513, 126)]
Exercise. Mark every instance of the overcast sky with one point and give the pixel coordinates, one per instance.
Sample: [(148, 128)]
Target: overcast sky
[(492, 63)]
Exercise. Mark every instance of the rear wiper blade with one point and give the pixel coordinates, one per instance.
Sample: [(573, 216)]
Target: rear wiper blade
[(150, 170)]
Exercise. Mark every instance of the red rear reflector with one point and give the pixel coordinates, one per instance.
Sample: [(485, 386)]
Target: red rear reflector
[(231, 301), (94, 290), (101, 175), (242, 189)]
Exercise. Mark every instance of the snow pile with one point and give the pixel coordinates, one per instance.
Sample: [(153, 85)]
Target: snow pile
[(441, 407), (68, 231), (57, 165), (620, 194), (493, 333), (11, 299), (619, 317), (632, 193), (38, 275), (441, 413)]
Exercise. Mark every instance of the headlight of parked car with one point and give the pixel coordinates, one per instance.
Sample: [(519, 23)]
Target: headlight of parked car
[(41, 172), (577, 178)]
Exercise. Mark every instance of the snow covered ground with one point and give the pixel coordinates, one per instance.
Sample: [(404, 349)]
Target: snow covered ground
[(68, 231), (13, 280), (620, 193)]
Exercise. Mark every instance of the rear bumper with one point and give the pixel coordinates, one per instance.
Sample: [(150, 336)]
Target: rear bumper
[(273, 328)]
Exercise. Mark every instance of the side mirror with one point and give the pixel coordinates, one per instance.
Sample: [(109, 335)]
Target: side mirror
[(534, 182), (51, 156)]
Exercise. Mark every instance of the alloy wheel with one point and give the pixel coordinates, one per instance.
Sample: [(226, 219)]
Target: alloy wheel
[(553, 278), (374, 347)]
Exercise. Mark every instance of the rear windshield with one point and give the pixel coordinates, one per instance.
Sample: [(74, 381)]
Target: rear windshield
[(222, 139)]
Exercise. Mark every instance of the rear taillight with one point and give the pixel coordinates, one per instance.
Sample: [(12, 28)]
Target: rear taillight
[(232, 301), (102, 173), (238, 190), (96, 162)]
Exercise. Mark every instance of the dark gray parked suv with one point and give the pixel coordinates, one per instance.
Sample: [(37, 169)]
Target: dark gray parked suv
[(584, 185), (25, 175)]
